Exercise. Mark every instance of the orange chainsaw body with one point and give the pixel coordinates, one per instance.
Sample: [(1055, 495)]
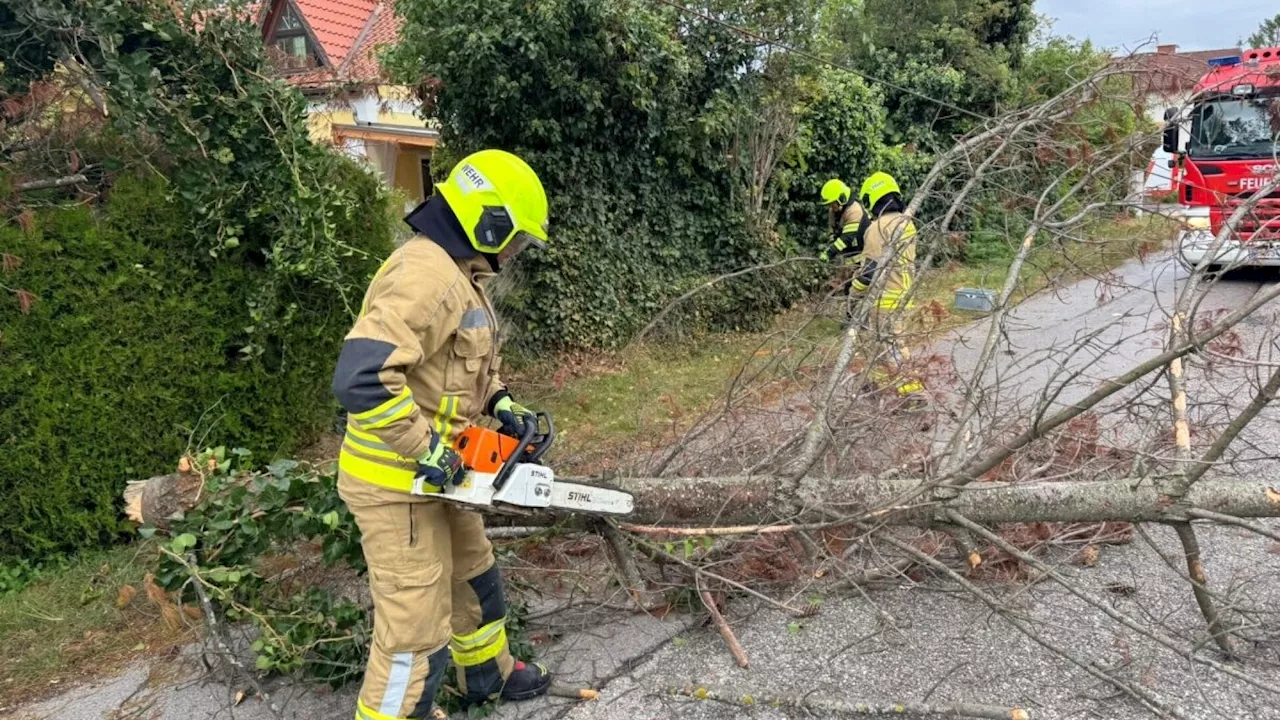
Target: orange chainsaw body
[(484, 450)]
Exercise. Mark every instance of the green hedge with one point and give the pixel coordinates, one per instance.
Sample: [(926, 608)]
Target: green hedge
[(132, 351)]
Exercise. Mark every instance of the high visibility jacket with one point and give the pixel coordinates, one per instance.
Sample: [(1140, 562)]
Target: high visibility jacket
[(889, 246), (421, 359), (847, 228)]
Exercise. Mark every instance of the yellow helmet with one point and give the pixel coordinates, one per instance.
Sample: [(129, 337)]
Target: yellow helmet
[(834, 191), (875, 187), (496, 197)]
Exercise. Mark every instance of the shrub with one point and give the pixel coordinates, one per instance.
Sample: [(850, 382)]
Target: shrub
[(135, 348), (202, 298)]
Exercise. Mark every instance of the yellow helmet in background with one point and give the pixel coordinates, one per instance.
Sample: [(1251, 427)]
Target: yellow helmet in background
[(875, 187), (834, 191), (496, 197)]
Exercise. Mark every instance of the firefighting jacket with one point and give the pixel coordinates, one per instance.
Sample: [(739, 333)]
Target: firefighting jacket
[(889, 246), (848, 226), (421, 359)]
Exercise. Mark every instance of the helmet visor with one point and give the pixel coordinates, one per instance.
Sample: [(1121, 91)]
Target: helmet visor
[(524, 241), (521, 242)]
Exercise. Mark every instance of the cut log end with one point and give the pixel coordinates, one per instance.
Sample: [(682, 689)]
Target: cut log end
[(157, 500)]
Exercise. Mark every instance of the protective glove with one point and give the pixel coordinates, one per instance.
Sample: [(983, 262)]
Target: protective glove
[(824, 256), (512, 414), (439, 465)]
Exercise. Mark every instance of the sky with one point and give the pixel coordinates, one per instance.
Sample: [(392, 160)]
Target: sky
[(1127, 24)]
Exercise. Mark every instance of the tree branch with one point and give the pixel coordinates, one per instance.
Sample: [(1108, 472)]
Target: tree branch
[(51, 183)]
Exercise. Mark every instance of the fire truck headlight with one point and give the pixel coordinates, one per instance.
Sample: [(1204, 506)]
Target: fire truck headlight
[(1198, 237)]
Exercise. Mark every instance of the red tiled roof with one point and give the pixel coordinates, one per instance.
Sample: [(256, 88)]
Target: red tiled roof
[(336, 23), (314, 78), (362, 63), (1168, 72), (350, 33)]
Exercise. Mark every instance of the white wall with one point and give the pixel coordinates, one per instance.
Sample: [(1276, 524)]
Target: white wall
[(1158, 175), (365, 108)]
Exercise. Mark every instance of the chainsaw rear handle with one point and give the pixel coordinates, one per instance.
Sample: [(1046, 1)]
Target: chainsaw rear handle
[(533, 445)]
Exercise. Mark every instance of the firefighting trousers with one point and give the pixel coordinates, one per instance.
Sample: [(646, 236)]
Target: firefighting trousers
[(437, 596), (890, 352)]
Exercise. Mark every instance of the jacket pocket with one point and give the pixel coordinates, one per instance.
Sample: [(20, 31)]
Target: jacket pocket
[(470, 348)]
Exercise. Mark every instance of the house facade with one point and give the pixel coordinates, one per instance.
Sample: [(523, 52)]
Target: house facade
[(329, 49)]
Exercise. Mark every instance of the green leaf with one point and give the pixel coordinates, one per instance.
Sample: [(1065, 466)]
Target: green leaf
[(330, 519), (283, 467), (182, 542)]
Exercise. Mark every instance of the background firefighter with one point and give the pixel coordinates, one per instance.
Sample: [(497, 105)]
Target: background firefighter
[(418, 367), (849, 224), (885, 268)]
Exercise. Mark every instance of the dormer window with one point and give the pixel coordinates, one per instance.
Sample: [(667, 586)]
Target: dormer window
[(290, 42)]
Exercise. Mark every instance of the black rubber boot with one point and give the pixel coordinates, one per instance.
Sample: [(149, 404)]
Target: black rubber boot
[(526, 681)]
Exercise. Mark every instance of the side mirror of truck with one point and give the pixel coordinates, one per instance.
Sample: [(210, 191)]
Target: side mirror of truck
[(1169, 141)]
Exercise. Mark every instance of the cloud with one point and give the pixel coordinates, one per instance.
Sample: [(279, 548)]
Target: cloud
[(1127, 24)]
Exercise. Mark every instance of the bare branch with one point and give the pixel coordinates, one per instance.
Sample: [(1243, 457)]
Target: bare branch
[(52, 183)]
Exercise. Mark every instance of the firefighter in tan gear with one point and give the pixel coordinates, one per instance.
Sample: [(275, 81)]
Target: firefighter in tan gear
[(848, 221), (419, 366), (848, 225), (889, 248)]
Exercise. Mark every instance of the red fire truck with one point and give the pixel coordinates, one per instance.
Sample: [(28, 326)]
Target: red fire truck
[(1230, 153)]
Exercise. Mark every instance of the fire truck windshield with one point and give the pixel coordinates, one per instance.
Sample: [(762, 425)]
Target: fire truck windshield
[(1227, 127)]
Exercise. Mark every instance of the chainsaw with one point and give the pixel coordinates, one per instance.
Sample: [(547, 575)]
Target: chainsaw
[(503, 474)]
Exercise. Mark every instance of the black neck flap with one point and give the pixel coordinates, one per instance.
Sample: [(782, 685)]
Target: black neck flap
[(435, 220)]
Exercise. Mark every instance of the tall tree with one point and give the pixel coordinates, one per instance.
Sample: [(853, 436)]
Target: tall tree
[(1267, 34), (940, 62)]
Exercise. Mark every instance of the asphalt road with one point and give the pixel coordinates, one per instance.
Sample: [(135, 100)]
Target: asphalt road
[(1106, 324), (1060, 345), (948, 647)]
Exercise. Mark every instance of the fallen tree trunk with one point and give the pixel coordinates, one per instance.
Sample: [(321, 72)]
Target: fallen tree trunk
[(741, 500), (736, 500)]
